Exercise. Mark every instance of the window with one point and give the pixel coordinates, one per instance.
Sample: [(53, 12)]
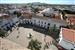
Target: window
[(48, 24), (44, 26), (38, 21), (45, 22), (34, 21), (48, 27), (41, 22), (31, 22), (41, 25), (2, 26)]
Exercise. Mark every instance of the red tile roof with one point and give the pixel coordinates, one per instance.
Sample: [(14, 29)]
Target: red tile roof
[(68, 34)]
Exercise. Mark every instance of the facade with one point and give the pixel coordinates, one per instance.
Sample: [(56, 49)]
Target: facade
[(47, 22), (7, 21), (26, 16), (40, 21), (58, 22), (67, 38)]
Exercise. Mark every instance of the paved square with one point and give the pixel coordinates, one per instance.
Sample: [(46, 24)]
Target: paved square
[(20, 36)]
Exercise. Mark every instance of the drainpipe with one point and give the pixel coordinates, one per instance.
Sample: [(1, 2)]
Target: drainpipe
[(61, 16)]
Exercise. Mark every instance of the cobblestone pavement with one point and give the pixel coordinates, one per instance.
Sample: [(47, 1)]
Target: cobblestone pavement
[(6, 44), (20, 36)]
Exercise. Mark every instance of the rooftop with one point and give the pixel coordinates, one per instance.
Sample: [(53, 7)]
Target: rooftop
[(51, 19), (70, 15), (38, 16), (69, 12), (68, 34)]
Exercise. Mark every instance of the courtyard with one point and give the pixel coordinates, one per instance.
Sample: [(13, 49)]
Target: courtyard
[(20, 36)]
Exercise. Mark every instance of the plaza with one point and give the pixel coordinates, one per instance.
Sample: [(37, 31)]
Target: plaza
[(20, 36)]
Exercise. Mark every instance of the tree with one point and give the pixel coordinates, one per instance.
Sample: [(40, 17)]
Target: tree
[(54, 27), (36, 10), (55, 32), (17, 13), (34, 45), (2, 33)]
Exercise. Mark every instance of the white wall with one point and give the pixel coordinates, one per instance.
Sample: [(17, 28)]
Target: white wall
[(41, 23), (3, 23), (10, 21), (66, 45), (52, 23)]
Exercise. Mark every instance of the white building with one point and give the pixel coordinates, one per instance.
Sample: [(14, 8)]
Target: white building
[(7, 21), (67, 38), (39, 20), (47, 22)]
